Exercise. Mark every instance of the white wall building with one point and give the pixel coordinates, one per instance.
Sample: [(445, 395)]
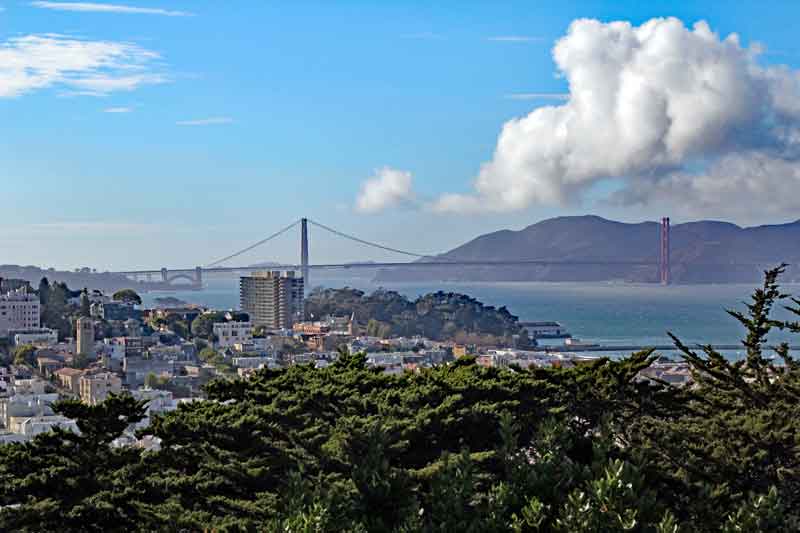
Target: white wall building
[(158, 401), (19, 310), (253, 362), (16, 409), (42, 424), (230, 333), (36, 337)]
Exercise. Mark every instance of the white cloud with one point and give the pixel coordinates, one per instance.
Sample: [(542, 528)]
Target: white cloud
[(206, 121), (93, 7), (515, 39), (537, 96), (118, 110), (751, 186), (679, 114), (76, 66), (388, 187)]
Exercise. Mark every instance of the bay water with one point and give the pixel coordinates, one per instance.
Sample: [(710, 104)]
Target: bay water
[(603, 313)]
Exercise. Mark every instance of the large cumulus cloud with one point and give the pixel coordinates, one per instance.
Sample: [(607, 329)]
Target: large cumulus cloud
[(678, 113)]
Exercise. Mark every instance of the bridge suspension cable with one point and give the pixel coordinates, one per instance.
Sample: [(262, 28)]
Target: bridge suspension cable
[(368, 243), (255, 245)]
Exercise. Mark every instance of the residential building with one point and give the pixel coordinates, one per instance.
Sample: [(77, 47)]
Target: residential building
[(95, 388), (115, 311), (253, 362), (48, 365), (187, 314), (272, 299), (136, 369), (545, 330), (133, 328), (85, 337), (19, 309), (70, 378), (499, 359), (36, 425), (158, 401), (34, 336), (11, 284), (134, 346), (28, 384), (172, 353), (16, 409), (460, 350), (231, 333)]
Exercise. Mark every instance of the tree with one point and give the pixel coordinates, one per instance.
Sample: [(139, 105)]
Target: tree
[(151, 381), (128, 296), (203, 325), (458, 447), (55, 310), (80, 361), (238, 316), (208, 355), (44, 291), (85, 308), (25, 355), (64, 481)]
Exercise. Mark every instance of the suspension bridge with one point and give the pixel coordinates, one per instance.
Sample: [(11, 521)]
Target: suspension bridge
[(194, 275)]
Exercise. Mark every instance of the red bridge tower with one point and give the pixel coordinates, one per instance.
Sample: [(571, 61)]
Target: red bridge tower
[(664, 269)]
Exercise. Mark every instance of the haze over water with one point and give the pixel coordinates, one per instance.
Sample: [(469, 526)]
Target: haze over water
[(606, 313)]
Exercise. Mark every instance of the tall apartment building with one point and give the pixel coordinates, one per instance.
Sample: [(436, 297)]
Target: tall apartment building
[(272, 299), (18, 310)]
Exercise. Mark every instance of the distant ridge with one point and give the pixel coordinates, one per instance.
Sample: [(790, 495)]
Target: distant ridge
[(696, 246)]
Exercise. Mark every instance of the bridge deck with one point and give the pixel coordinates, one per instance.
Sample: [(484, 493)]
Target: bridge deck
[(427, 264)]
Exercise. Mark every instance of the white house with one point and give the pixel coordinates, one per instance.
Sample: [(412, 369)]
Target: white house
[(230, 333)]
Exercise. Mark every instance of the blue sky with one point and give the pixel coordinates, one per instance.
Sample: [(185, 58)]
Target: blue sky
[(250, 114)]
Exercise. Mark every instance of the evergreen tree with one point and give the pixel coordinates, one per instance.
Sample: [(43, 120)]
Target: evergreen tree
[(458, 447), (85, 304)]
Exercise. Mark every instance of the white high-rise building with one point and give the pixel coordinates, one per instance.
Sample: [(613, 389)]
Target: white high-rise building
[(272, 299), (19, 310)]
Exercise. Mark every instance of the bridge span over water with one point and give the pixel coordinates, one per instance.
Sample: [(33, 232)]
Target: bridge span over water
[(194, 275)]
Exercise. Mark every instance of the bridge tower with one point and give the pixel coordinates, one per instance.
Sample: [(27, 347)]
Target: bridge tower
[(664, 267), (304, 254), (198, 277), (164, 275)]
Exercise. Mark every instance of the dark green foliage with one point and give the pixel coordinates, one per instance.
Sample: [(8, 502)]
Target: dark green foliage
[(25, 355), (128, 296), (437, 315), (592, 448), (203, 325), (68, 482), (56, 311), (85, 305)]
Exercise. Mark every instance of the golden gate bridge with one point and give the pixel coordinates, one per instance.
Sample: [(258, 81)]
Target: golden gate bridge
[(194, 275)]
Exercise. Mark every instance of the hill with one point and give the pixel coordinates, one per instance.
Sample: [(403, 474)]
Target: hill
[(702, 252), (105, 281), (439, 316)]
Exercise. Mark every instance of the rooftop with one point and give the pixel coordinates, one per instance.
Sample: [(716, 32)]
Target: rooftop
[(68, 372)]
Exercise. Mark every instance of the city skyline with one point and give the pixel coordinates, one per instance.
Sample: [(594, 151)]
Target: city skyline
[(182, 131)]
